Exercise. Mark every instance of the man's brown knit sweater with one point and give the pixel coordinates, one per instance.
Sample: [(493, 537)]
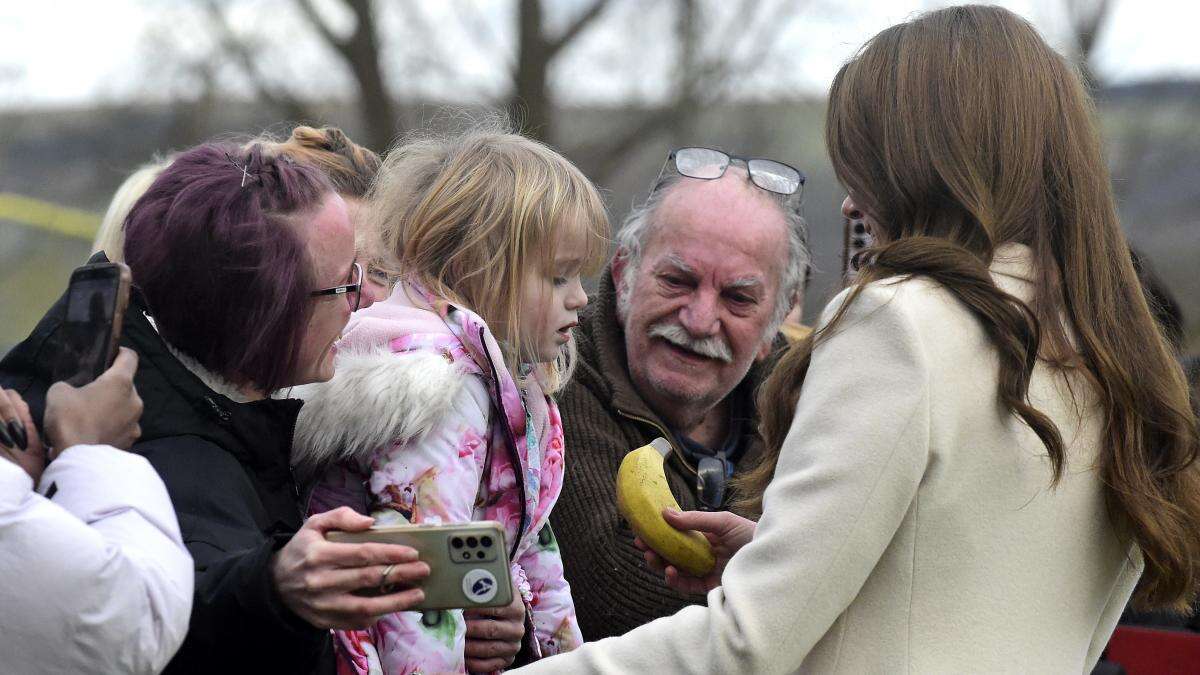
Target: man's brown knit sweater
[(603, 419)]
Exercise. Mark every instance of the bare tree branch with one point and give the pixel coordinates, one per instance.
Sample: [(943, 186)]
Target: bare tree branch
[(577, 26), (530, 101), (763, 42), (314, 19), (361, 51), (603, 157), (709, 66), (288, 105), (484, 35), (1086, 19), (431, 56), (702, 81)]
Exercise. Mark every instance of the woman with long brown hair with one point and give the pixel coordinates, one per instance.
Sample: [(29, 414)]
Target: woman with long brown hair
[(987, 442)]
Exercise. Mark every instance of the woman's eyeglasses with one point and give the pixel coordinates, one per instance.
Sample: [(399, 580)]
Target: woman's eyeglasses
[(352, 290), (709, 164)]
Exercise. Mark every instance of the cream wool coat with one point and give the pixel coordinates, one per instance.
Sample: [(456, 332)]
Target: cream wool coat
[(911, 526)]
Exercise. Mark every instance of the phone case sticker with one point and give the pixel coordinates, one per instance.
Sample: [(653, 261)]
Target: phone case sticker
[(479, 585)]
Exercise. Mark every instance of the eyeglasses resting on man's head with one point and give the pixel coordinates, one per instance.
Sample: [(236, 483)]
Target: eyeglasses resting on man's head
[(709, 164)]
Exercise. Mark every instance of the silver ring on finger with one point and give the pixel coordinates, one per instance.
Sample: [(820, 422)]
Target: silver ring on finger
[(384, 586)]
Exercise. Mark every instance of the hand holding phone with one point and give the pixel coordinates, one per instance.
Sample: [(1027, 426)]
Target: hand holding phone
[(105, 412), (317, 578), (97, 296)]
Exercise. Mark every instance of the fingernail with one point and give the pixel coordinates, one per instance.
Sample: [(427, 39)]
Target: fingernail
[(5, 440), (17, 431)]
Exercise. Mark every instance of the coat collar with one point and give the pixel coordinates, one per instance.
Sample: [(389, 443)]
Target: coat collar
[(179, 402), (213, 381), (1013, 271), (1013, 260)]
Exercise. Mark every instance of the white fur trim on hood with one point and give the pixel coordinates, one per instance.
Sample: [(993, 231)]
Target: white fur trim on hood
[(374, 398)]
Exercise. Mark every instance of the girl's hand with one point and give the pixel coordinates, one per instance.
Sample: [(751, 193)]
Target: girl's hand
[(727, 532), (19, 441), (494, 635)]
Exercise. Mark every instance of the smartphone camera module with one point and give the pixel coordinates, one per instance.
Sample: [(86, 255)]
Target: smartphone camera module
[(473, 549)]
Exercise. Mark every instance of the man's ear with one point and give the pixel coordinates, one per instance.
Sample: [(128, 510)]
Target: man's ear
[(619, 262), (770, 339), (766, 348), (619, 266)]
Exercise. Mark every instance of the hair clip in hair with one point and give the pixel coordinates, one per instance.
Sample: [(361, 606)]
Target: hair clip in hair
[(244, 169)]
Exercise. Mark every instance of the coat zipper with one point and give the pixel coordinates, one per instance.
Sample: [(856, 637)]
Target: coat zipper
[(514, 453), (665, 434)]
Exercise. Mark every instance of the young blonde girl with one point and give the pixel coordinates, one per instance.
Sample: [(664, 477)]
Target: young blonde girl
[(441, 409)]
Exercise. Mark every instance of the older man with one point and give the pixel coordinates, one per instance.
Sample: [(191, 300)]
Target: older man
[(674, 345)]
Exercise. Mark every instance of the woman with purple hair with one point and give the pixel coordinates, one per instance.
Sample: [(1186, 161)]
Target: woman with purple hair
[(245, 274)]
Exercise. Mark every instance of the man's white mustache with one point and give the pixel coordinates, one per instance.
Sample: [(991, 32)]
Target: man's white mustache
[(712, 347)]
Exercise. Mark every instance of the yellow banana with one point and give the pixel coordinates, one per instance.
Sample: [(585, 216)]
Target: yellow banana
[(642, 494)]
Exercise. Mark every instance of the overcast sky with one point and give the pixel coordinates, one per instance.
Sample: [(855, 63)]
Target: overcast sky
[(75, 52)]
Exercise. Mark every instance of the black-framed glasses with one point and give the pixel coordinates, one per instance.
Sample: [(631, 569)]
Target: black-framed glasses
[(709, 164), (352, 290)]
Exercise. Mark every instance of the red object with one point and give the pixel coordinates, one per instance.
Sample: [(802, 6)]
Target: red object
[(1155, 651)]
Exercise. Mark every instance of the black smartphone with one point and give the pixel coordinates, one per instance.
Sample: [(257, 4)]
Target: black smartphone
[(96, 300)]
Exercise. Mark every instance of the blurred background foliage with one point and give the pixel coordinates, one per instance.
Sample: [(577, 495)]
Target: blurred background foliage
[(614, 84)]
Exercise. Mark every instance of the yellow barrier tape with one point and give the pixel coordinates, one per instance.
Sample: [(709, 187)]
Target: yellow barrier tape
[(48, 216)]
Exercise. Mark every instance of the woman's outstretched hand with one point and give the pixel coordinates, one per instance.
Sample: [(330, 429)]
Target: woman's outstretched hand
[(727, 532)]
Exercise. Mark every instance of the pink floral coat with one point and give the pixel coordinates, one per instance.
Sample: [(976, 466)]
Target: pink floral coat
[(472, 458)]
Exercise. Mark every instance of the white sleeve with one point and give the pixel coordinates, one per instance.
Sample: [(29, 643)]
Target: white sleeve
[(96, 578), (848, 472)]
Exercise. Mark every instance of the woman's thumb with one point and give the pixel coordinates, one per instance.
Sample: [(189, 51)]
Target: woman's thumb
[(341, 518), (703, 521)]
